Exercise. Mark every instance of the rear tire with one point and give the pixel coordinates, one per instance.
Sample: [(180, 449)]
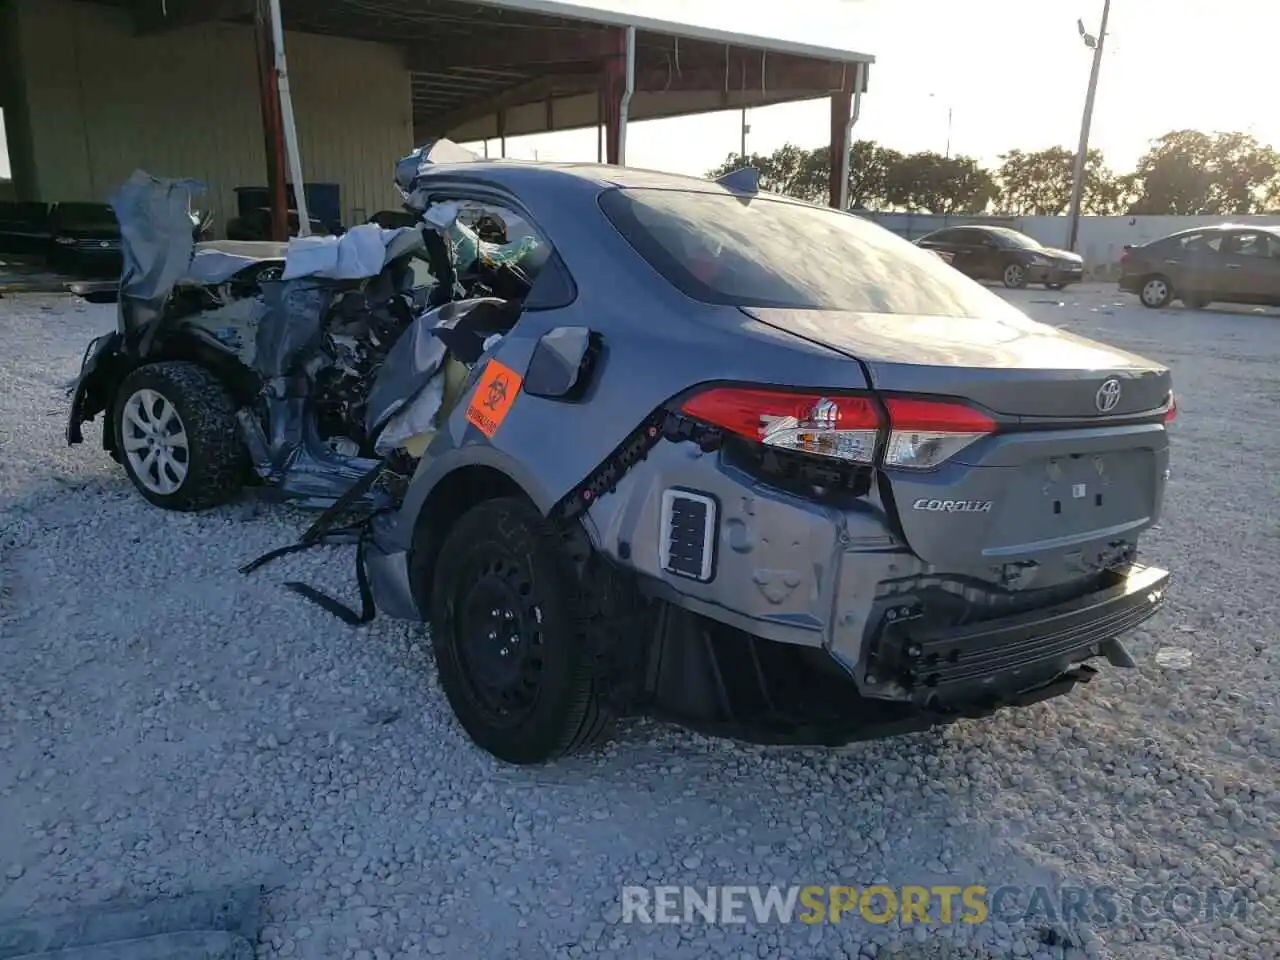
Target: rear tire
[(1014, 276), (1156, 292), (175, 431), (512, 650)]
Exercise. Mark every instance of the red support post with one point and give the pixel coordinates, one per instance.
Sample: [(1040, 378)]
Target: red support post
[(272, 121), (841, 111), (614, 85)]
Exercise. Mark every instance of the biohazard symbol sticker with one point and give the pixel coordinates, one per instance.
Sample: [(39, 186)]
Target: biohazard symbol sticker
[(492, 399)]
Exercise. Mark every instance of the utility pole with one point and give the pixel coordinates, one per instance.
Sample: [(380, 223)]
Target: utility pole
[(1082, 152), (950, 110)]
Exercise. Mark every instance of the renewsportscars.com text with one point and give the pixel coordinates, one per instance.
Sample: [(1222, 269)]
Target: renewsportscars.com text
[(972, 904)]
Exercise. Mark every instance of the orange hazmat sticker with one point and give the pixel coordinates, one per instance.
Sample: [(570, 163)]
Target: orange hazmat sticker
[(493, 396)]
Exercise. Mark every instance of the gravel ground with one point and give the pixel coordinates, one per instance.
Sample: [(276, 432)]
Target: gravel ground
[(167, 724)]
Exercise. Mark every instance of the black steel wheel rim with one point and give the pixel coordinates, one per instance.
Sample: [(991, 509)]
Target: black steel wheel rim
[(498, 637)]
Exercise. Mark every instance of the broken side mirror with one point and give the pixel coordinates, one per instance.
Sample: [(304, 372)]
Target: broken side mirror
[(562, 364)]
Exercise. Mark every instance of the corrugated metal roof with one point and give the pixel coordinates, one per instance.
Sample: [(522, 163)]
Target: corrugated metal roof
[(808, 35)]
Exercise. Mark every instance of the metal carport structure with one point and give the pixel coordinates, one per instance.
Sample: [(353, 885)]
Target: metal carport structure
[(485, 69)]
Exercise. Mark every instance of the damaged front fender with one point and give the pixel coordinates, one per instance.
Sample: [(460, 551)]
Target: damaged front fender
[(94, 388)]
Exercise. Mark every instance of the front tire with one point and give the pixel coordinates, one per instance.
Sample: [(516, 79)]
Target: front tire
[(1156, 292), (1014, 276), (176, 435), (510, 639)]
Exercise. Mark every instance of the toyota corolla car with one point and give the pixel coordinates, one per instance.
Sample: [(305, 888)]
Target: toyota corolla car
[(671, 461), (999, 253)]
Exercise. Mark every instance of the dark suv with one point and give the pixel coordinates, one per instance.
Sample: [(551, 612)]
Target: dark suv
[(1227, 263)]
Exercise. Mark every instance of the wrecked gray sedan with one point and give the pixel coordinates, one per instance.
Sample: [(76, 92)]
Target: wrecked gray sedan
[(642, 444)]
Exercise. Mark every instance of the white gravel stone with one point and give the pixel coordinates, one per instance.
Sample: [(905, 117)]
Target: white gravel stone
[(166, 723)]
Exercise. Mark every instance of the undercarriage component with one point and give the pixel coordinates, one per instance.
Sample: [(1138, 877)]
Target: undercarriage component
[(720, 681)]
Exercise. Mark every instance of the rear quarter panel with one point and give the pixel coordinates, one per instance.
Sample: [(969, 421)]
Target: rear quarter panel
[(657, 343)]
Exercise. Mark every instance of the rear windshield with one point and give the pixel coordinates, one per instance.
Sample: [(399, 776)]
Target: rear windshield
[(720, 249)]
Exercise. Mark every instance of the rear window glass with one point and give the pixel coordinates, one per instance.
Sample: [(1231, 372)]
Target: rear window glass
[(720, 249)]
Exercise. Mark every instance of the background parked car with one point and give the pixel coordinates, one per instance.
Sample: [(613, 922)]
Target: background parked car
[(998, 253), (24, 229), (1227, 263), (84, 239)]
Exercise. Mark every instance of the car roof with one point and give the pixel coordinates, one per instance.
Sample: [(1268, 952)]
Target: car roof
[(522, 176), (982, 227), (1223, 227)]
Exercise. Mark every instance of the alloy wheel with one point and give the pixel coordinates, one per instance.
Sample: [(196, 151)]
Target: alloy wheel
[(155, 442)]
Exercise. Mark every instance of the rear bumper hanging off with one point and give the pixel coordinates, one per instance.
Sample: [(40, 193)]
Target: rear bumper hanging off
[(953, 668)]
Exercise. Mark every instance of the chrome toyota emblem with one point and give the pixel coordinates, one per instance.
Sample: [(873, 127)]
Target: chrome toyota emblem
[(1108, 395)]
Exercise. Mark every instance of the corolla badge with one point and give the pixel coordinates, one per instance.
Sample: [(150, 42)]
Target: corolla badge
[(952, 506), (1108, 395)]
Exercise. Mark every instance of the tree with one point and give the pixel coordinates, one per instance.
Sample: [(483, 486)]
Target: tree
[(930, 182), (805, 174), (1222, 174), (1038, 183), (789, 170)]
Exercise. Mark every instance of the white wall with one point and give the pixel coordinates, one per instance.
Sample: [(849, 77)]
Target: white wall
[(1100, 240)]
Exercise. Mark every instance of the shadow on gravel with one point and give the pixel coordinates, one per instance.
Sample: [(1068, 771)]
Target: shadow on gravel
[(214, 925)]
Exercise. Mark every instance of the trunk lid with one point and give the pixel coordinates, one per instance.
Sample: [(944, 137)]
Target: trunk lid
[(1061, 486), (1008, 363)]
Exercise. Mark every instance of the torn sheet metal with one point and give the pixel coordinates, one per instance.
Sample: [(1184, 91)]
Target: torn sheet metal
[(458, 327), (217, 262), (157, 243), (414, 419), (362, 252)]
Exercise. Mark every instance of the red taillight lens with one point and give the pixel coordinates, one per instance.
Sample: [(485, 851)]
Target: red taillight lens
[(1171, 414), (925, 433), (841, 426), (922, 433)]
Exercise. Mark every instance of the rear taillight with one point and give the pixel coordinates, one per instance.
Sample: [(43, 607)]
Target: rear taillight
[(919, 435), (1171, 414), (925, 433), (844, 427)]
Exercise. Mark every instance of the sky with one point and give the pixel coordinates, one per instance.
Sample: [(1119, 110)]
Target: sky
[(1011, 73)]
